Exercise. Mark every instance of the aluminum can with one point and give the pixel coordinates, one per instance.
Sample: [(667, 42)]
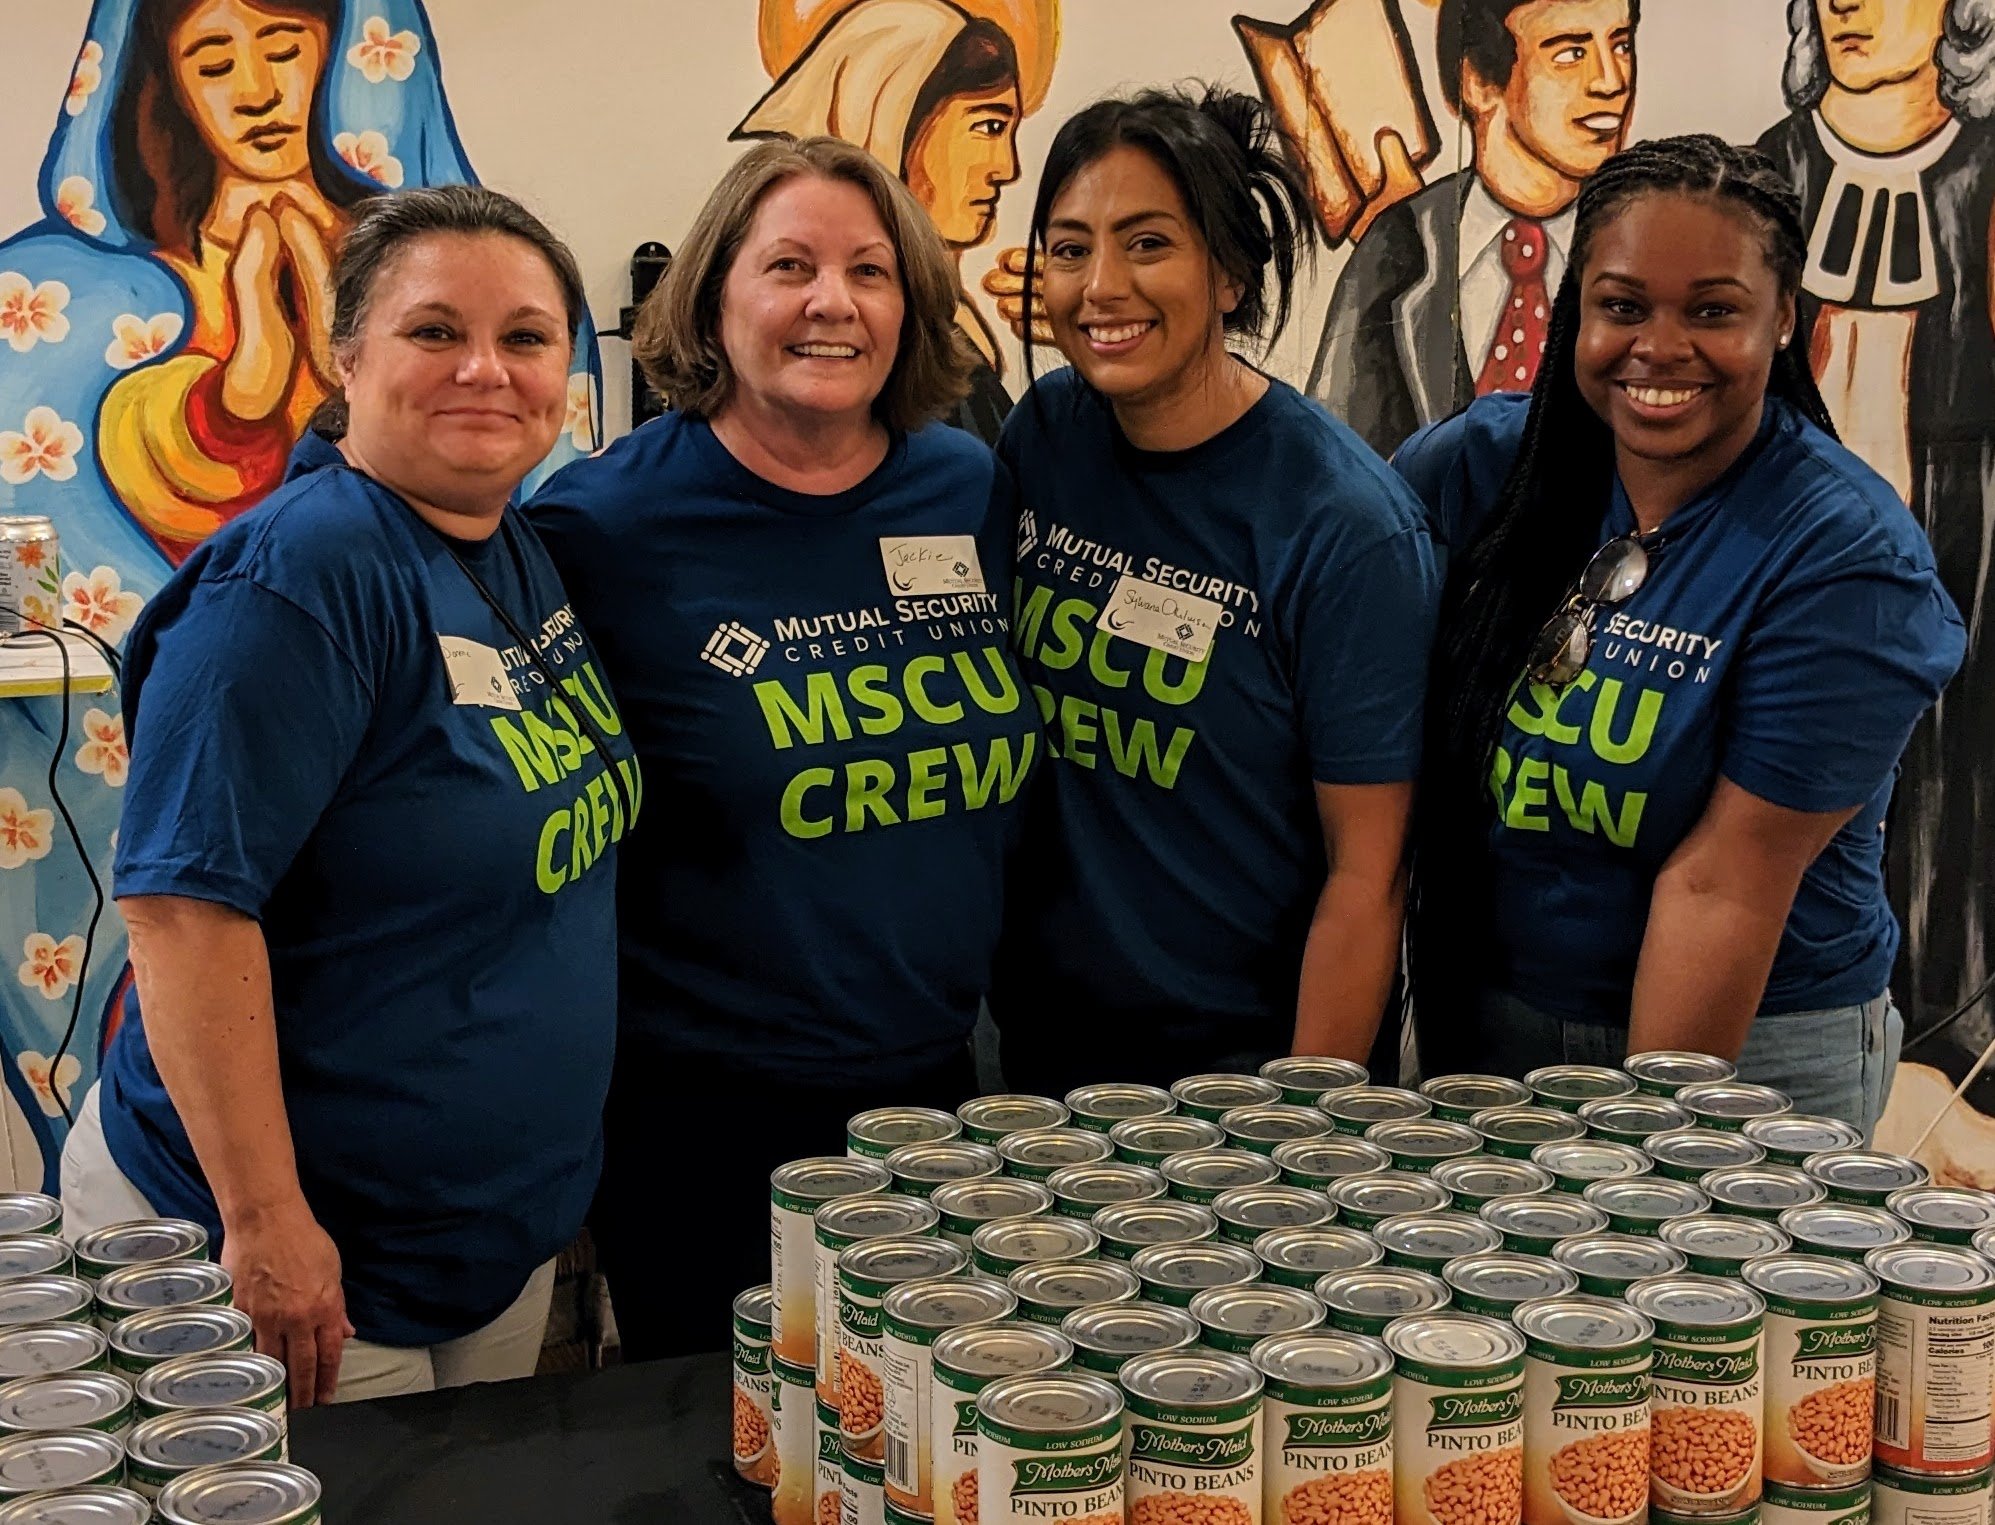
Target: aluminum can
[(1420, 1143), (143, 1241), (1457, 1098), (1728, 1105), (1051, 1447), (916, 1170), (1514, 1132), (1236, 1319), (234, 1381), (1632, 1119), (1928, 1498), (1173, 1273), (146, 1340), (1532, 1225), (876, 1134), (29, 1350), (29, 1212), (835, 1227), (35, 1255), (1128, 1227), (1263, 1127), (1821, 1368), (1864, 1177), (862, 1494), (1098, 1108), (1496, 1286), (796, 1191), (1327, 1429), (986, 1119), (1586, 1410), (1355, 1110), (1081, 1191), (1644, 1204), (1364, 1202), (754, 1429), (173, 1284), (1689, 1154), (1202, 1174), (1305, 1079), (46, 1300), (966, 1206), (1708, 1397), (965, 1362), (1050, 1290), (1942, 1214), (915, 1315), (792, 1412), (1106, 1338), (71, 1400), (1576, 1164), (1034, 1154), (1607, 1265), (1790, 1137), (866, 1274), (241, 1493), (1935, 1319), (1152, 1140), (104, 1504), (1571, 1086), (1457, 1420), (1319, 1163), (1761, 1191), (1842, 1231), (1213, 1096), (1718, 1245), (827, 1486), (1781, 1504), (1365, 1301), (997, 1249), (1302, 1257), (30, 573), (1194, 1445), (39, 1461), (1247, 1212), (1483, 1178), (1664, 1072), (159, 1450), (1428, 1241)]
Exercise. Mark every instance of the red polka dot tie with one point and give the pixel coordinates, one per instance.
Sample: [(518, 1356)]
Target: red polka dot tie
[(1525, 322)]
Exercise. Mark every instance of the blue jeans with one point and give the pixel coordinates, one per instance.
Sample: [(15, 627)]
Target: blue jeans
[(1834, 1063)]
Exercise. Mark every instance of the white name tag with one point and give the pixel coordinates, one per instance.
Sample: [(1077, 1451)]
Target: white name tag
[(921, 564), (477, 674), (1177, 624)]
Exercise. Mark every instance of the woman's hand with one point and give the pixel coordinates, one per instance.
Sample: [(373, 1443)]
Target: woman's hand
[(258, 371), (287, 1279), (311, 267)]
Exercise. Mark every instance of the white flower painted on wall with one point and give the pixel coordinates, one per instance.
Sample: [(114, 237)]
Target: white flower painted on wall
[(46, 444), (383, 55), (580, 423), (368, 153), (51, 1090), (100, 602), (104, 751), (135, 340), (88, 75), (76, 204), (50, 966), (25, 834), (31, 314)]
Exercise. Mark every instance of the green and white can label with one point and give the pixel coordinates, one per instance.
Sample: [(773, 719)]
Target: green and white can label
[(1051, 1448), (1326, 1429), (1925, 1498), (1785, 1505), (1194, 1438)]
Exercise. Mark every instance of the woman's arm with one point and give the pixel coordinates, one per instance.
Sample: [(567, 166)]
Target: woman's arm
[(1353, 943), (204, 985), (1715, 919)]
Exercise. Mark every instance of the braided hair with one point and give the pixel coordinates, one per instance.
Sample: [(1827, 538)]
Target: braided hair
[(1544, 528)]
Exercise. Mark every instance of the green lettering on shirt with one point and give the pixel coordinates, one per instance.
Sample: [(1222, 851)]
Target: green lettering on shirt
[(825, 711)]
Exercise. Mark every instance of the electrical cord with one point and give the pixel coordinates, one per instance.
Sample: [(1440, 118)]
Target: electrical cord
[(1913, 1040)]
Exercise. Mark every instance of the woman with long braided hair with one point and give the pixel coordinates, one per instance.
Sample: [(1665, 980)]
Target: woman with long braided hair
[(1684, 637)]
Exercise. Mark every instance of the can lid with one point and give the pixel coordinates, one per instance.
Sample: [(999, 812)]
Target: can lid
[(1647, 1197), (1224, 1091), (1678, 1067), (1763, 1186), (1952, 1207), (1453, 1339), (1256, 1309), (1442, 1235), (1578, 1082), (70, 1400), (903, 1125), (1334, 1155), (1130, 1328), (1865, 1170), (42, 1299), (1315, 1072), (1266, 1207), (1802, 1133), (1714, 1234), (1811, 1278), (187, 1331), (1004, 1349), (244, 1493), (27, 1212), (1042, 1238), (1074, 1283), (1492, 1175), (1273, 1122), (888, 1260), (1191, 1379), (1323, 1358), (35, 1255), (1326, 1247), (1203, 1263), (143, 1240), (1375, 1104), (1120, 1100), (1508, 1277), (1593, 1159), (1546, 1217), (1527, 1125), (988, 1197), (1618, 1255), (1702, 1149), (1843, 1225), (27, 1350), (1478, 1093), (1583, 1323), (948, 1302), (216, 1381), (189, 1438), (1715, 1302), (85, 1505), (755, 1305), (1217, 1169), (1053, 1147), (46, 1459), (876, 1215), (1051, 1403), (1732, 1098), (1634, 1114), (163, 1284), (1155, 1222), (1424, 1136), (1931, 1267), (822, 1177), (1011, 1113), (1167, 1135), (1105, 1182), (1387, 1193), (1383, 1291)]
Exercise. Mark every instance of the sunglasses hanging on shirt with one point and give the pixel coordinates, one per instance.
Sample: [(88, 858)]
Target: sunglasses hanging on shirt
[(1617, 570)]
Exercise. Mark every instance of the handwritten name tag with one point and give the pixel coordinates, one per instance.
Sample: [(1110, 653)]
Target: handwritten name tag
[(477, 674), (1177, 624), (923, 564)]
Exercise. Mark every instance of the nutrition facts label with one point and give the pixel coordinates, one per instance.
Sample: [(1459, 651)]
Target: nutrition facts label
[(908, 1396), (1932, 1381)]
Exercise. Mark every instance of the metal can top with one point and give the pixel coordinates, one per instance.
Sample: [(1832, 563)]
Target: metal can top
[(1011, 1113), (91, 1504), (1951, 1209), (1047, 1149), (34, 1255), (66, 1400), (1050, 1404), (212, 1382), (1700, 1149), (948, 1302), (1527, 1125), (1329, 1247), (1388, 1193), (25, 526), (1104, 1183), (1809, 1279), (985, 1351), (1475, 1093), (165, 1333), (1676, 1067), (1374, 1104), (1268, 1207), (1930, 1268), (1592, 1159), (847, 1221), (43, 1299), (1466, 1341), (1843, 1226), (1633, 1117), (1161, 1222), (189, 1438), (1732, 1101), (1488, 1176), (1865, 1170), (1800, 1134), (1696, 1302), (1766, 1187), (1273, 1122), (1547, 1217), (1504, 1277), (46, 1459), (1115, 1101), (1222, 1093), (1716, 1236), (804, 1183), (754, 1307), (27, 1350), (1323, 1361), (1383, 1292), (1026, 1240), (1128, 1329), (1593, 1325), (1984, 1243), (1623, 1257), (1256, 1310), (28, 1212), (165, 1284), (930, 1165), (883, 1262), (1437, 1236), (1649, 1196), (1175, 1134), (1074, 1283), (1429, 1137), (1568, 1085), (987, 1197), (1191, 1379), (1314, 1074), (241, 1493), (1330, 1158), (1187, 1267), (1218, 1169), (885, 1129), (143, 1241)]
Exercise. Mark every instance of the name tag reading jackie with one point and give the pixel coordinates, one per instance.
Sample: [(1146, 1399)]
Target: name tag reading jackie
[(477, 674), (924, 564), (1177, 624)]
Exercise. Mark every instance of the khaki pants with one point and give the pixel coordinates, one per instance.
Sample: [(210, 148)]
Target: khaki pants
[(96, 1192)]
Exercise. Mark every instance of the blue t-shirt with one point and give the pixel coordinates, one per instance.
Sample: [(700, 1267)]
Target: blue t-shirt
[(822, 686), (1174, 853), (434, 880), (1790, 632)]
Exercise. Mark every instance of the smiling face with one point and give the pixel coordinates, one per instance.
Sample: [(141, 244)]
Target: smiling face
[(1879, 42), (1567, 100), (458, 382), (1681, 316), (811, 309), (963, 156), (246, 76), (1134, 297)]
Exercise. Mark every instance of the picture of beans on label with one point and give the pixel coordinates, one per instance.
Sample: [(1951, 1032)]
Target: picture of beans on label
[(1194, 1439), (1586, 1411), (866, 1273), (1706, 1394), (754, 1447), (1327, 1429), (1457, 1410), (1821, 1362), (828, 1470)]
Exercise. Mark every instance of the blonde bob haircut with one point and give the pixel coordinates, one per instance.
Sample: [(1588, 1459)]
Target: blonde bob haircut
[(676, 341)]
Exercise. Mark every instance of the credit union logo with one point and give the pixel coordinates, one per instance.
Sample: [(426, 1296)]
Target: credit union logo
[(734, 649)]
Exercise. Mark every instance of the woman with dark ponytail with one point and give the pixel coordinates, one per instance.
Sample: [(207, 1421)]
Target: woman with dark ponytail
[(1225, 605), (1684, 639)]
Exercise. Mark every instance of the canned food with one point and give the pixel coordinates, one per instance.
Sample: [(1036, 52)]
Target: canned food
[(862, 1494), (1420, 1143), (1790, 1137), (1302, 1257), (1036, 1153), (244, 1380), (174, 1284), (1457, 1098), (1152, 1140), (35, 1255), (866, 1274), (1485, 1177), (913, 1317), (29, 1350), (1718, 1245), (796, 1191), (1173, 1273), (1847, 1233), (1364, 1202), (1261, 1128), (965, 1362), (1783, 1504), (876, 1134), (1643, 1204), (1609, 1264), (1665, 1071), (1942, 1214), (30, 573), (1935, 1317), (1247, 1212), (1576, 1164), (1194, 1438), (146, 1340), (1355, 1109), (39, 1461), (1707, 1397), (1128, 1227), (1570, 1086), (1821, 1365), (997, 1249), (70, 1400), (46, 1300), (1051, 1289), (1236, 1319), (105, 1504), (142, 1241), (29, 1212), (836, 1227), (986, 1119), (161, 1449), (1864, 1177), (1586, 1410), (1496, 1285), (1984, 1242), (828, 1470), (1728, 1105), (1632, 1119), (1690, 1154), (1532, 1225), (1081, 1191), (1926, 1498), (1050, 1447), (1365, 1301), (965, 1206), (792, 1406), (1107, 1337), (1098, 1108), (1761, 1191), (1457, 1419), (1513, 1132), (1305, 1079), (1213, 1096), (1202, 1174), (1327, 1417), (754, 1426), (242, 1493), (1319, 1163), (1428, 1241)]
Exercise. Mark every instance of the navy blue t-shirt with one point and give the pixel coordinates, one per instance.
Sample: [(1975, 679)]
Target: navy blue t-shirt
[(822, 687), (1790, 632), (1174, 853), (433, 875)]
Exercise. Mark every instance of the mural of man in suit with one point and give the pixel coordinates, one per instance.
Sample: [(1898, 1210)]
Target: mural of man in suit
[(1449, 293)]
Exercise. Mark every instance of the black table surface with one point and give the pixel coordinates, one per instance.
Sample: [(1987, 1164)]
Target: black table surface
[(627, 1446)]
